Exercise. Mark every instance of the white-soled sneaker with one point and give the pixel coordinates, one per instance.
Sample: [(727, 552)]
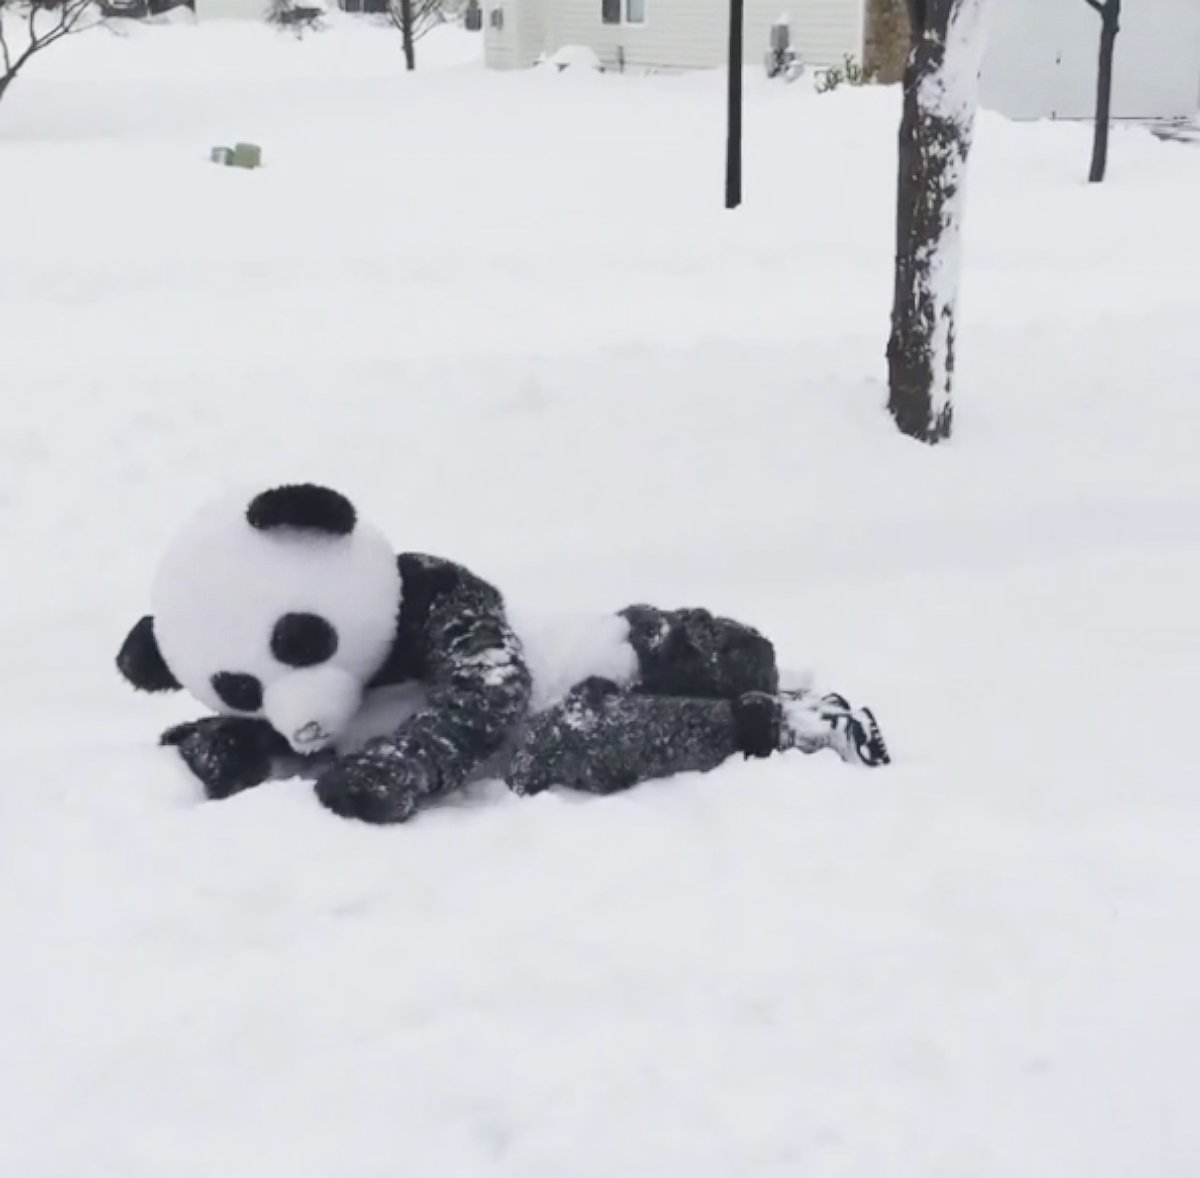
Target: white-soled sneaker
[(810, 723)]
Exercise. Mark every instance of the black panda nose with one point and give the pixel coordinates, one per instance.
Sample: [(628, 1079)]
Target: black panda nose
[(303, 640)]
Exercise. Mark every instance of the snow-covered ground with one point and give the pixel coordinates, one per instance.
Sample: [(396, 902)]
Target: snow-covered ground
[(508, 315)]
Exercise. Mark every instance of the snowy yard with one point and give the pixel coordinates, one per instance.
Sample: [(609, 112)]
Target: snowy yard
[(509, 317)]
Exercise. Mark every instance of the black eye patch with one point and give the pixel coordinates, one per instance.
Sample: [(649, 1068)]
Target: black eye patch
[(243, 693), (303, 640)]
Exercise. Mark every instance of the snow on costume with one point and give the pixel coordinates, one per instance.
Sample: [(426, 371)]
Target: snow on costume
[(392, 680)]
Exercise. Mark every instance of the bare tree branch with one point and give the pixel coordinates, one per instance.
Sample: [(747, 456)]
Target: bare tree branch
[(414, 18), (1098, 5), (426, 14), (4, 46), (65, 17)]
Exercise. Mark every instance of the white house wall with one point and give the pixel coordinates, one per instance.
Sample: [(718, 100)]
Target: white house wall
[(499, 45), (232, 9), (521, 37), (676, 32), (499, 48), (531, 30), (823, 30), (695, 33)]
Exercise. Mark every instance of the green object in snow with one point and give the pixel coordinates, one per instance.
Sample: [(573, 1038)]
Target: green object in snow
[(241, 155), (246, 155)]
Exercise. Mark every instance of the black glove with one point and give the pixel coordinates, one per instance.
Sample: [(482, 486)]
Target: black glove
[(227, 753), (378, 787)]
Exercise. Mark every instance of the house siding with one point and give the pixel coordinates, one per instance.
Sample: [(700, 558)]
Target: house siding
[(232, 9), (499, 48), (522, 39), (694, 34), (531, 29), (824, 31), (676, 33)]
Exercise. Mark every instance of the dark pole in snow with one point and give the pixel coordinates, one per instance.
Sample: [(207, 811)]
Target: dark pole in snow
[(733, 145)]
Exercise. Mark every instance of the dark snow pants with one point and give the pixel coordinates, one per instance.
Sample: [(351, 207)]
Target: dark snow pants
[(705, 691)]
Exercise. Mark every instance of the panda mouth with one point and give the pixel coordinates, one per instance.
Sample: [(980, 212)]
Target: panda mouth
[(310, 735), (311, 707)]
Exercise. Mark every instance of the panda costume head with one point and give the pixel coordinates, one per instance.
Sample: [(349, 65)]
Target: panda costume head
[(281, 606)]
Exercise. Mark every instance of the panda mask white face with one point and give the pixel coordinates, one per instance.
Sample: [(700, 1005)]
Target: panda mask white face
[(283, 606)]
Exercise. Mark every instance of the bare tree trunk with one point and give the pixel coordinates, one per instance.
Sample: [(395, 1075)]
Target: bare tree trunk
[(940, 96), (409, 34), (1110, 18)]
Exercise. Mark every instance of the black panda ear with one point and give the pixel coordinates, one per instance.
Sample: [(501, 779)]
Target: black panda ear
[(302, 505), (142, 663)]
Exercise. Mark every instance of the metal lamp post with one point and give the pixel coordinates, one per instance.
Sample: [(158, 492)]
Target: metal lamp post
[(733, 142)]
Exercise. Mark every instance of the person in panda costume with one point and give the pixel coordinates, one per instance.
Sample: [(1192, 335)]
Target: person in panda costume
[(393, 680)]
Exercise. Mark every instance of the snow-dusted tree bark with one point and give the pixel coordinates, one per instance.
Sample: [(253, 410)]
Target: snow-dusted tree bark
[(1110, 26), (27, 29), (941, 87)]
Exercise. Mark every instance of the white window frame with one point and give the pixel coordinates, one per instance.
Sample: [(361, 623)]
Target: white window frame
[(625, 21)]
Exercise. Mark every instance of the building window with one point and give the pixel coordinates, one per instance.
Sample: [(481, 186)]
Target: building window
[(623, 12)]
